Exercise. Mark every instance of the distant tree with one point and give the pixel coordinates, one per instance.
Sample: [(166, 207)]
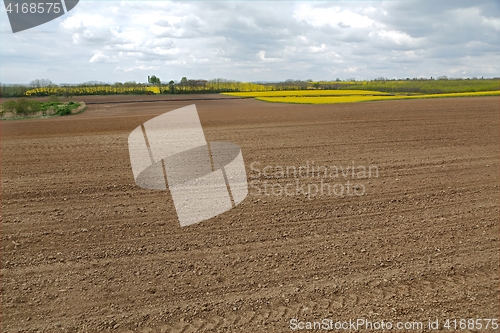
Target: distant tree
[(171, 86), (39, 83), (154, 80), (130, 84), (183, 84), (17, 91)]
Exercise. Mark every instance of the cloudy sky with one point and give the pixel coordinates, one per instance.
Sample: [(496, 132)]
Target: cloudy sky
[(256, 41)]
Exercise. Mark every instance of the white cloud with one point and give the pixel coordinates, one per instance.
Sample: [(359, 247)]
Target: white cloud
[(245, 40), (333, 16), (102, 58), (136, 68), (262, 56)]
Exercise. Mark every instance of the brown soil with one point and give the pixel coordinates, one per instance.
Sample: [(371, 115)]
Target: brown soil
[(84, 249), (92, 99)]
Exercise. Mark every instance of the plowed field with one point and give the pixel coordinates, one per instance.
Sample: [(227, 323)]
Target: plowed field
[(84, 249)]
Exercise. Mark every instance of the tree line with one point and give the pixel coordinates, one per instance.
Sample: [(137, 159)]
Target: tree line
[(154, 85)]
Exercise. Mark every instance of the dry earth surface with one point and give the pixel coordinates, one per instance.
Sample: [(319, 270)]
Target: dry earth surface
[(84, 249)]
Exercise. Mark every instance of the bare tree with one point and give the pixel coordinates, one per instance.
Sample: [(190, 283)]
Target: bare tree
[(40, 83)]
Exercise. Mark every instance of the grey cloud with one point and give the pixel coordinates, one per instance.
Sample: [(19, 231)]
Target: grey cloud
[(249, 41)]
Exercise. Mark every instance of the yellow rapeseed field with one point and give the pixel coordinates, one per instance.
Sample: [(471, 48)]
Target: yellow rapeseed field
[(154, 89), (322, 100), (91, 90), (300, 93), (362, 98)]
